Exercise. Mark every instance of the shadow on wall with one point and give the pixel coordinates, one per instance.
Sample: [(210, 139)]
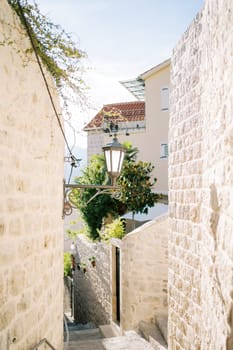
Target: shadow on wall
[(67, 300), (87, 307), (91, 288)]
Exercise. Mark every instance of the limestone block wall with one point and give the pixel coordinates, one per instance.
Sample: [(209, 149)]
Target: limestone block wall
[(92, 295), (31, 168), (144, 271), (200, 183)]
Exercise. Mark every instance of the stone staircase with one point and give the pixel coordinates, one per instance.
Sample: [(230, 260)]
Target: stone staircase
[(155, 333), (103, 338)]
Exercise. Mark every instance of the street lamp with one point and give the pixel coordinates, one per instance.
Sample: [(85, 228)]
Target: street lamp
[(114, 154)]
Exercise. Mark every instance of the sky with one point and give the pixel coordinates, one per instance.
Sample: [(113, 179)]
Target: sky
[(122, 38)]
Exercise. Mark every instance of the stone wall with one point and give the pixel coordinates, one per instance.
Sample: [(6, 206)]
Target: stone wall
[(68, 295), (144, 270), (92, 294), (31, 167), (200, 183)]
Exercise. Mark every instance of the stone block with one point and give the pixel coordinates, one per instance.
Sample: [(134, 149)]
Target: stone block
[(17, 280), (7, 254), (24, 302), (15, 226), (7, 315), (2, 227), (3, 341)]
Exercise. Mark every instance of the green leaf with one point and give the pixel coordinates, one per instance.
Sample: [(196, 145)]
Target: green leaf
[(57, 50)]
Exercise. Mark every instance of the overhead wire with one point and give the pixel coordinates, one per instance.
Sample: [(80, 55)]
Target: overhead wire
[(46, 85)]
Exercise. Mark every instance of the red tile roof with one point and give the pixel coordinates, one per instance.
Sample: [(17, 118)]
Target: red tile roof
[(121, 112)]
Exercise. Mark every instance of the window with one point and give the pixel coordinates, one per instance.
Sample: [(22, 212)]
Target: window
[(165, 98), (163, 150)]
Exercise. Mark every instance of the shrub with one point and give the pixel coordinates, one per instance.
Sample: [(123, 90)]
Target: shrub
[(67, 264), (114, 230)]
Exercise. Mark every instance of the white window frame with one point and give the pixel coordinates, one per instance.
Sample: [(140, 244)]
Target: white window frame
[(164, 98), (163, 150)]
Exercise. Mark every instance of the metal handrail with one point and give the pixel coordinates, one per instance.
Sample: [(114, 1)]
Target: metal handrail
[(41, 342)]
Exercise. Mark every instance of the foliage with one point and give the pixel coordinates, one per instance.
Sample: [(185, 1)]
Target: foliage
[(92, 259), (56, 49), (99, 207), (136, 186), (114, 230), (72, 234), (131, 152), (67, 264), (82, 266), (136, 191)]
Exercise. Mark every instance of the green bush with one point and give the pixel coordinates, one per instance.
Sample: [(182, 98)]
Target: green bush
[(114, 230), (67, 264)]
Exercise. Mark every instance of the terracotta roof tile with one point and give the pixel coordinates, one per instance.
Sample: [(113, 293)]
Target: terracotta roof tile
[(121, 112)]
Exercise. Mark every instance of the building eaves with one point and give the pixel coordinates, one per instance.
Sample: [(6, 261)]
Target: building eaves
[(137, 86), (155, 69), (123, 112)]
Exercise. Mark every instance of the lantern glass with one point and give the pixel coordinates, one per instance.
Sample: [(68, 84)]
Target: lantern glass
[(107, 154), (114, 155)]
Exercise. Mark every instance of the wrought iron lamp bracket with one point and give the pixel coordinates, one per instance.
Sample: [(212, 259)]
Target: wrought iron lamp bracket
[(68, 202)]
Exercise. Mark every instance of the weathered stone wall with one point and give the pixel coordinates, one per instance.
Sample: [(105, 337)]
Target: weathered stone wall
[(68, 295), (200, 182), (31, 167), (144, 270), (92, 294)]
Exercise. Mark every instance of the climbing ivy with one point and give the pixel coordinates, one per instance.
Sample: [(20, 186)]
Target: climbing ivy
[(56, 48), (67, 264)]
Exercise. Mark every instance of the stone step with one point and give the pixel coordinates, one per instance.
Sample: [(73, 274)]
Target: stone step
[(94, 344), (153, 335), (161, 321), (109, 330), (85, 334), (156, 345), (130, 341)]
